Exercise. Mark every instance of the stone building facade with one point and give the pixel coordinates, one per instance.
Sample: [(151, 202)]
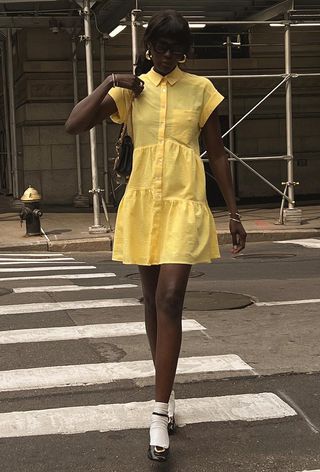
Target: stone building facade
[(44, 99)]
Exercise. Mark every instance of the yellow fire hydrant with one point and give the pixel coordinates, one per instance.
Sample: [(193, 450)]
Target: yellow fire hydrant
[(31, 212)]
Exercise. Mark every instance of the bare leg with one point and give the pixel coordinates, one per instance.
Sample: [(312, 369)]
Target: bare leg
[(171, 288), (149, 279)]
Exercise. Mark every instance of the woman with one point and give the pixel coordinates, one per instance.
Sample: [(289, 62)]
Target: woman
[(164, 224)]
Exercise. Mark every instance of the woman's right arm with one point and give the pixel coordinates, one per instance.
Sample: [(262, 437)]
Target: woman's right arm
[(95, 108)]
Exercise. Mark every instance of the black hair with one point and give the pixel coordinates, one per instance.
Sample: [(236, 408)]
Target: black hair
[(168, 24)]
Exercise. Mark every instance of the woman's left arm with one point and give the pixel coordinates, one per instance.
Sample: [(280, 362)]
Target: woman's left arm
[(220, 167)]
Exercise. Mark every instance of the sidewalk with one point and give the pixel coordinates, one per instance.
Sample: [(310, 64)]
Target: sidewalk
[(67, 229)]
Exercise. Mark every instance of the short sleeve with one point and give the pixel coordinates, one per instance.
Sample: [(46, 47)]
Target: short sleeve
[(122, 98), (211, 99)]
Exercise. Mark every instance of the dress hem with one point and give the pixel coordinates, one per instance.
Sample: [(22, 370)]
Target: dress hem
[(207, 261)]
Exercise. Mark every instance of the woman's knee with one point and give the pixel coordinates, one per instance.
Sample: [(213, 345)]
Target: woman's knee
[(170, 302)]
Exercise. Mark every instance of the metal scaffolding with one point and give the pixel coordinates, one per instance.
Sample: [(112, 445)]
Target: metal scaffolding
[(136, 21), (292, 213)]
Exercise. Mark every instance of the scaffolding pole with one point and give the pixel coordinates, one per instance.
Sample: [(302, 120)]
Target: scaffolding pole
[(134, 36), (80, 200), (12, 116), (96, 227), (289, 137), (104, 124), (6, 120), (230, 107)]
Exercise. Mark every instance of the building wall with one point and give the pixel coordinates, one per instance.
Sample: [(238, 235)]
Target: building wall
[(44, 99)]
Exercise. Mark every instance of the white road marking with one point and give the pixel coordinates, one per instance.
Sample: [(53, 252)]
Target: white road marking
[(313, 470), (38, 254), (58, 306), (41, 269), (289, 302), (70, 288), (9, 260), (115, 417), (309, 243), (108, 330), (38, 261), (61, 276), (103, 373)]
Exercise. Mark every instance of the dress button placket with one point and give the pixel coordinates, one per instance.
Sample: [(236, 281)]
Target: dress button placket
[(157, 182), (162, 120)]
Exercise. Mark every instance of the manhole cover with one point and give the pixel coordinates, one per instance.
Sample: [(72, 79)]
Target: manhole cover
[(5, 291), (207, 301), (267, 255), (193, 274)]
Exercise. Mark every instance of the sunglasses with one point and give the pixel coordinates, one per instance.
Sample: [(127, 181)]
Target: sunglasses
[(161, 47)]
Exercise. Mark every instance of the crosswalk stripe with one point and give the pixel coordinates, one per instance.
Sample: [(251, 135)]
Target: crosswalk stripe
[(58, 306), (124, 416), (61, 276), (41, 269), (37, 261), (13, 260), (309, 243), (70, 288), (103, 373), (108, 330), (289, 302), (38, 254)]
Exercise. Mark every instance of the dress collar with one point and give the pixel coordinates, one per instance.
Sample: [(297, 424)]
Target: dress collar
[(172, 77)]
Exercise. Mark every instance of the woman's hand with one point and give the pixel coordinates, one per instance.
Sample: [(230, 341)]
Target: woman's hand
[(238, 236), (129, 81)]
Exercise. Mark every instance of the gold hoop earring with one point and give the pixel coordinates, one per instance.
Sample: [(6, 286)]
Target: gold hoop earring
[(183, 60), (148, 55)]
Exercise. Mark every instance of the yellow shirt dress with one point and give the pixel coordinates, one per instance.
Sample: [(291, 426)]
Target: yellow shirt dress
[(164, 215)]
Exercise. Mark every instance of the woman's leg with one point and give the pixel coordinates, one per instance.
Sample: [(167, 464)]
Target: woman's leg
[(171, 288), (149, 279)]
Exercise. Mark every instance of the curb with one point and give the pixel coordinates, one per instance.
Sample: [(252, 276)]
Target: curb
[(65, 245), (89, 244), (260, 236), (106, 243), (32, 246)]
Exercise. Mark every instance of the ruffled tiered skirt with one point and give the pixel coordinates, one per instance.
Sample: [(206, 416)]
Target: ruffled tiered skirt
[(164, 216)]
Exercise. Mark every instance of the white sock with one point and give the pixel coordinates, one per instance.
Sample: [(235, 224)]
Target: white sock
[(159, 426), (171, 408)]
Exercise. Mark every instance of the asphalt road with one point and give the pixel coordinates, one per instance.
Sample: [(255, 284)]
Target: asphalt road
[(256, 369)]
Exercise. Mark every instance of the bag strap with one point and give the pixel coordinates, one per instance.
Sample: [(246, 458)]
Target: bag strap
[(124, 127)]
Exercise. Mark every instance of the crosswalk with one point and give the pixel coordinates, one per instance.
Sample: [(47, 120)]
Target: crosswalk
[(103, 373), (136, 415), (51, 268), (311, 243), (109, 330), (104, 417)]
